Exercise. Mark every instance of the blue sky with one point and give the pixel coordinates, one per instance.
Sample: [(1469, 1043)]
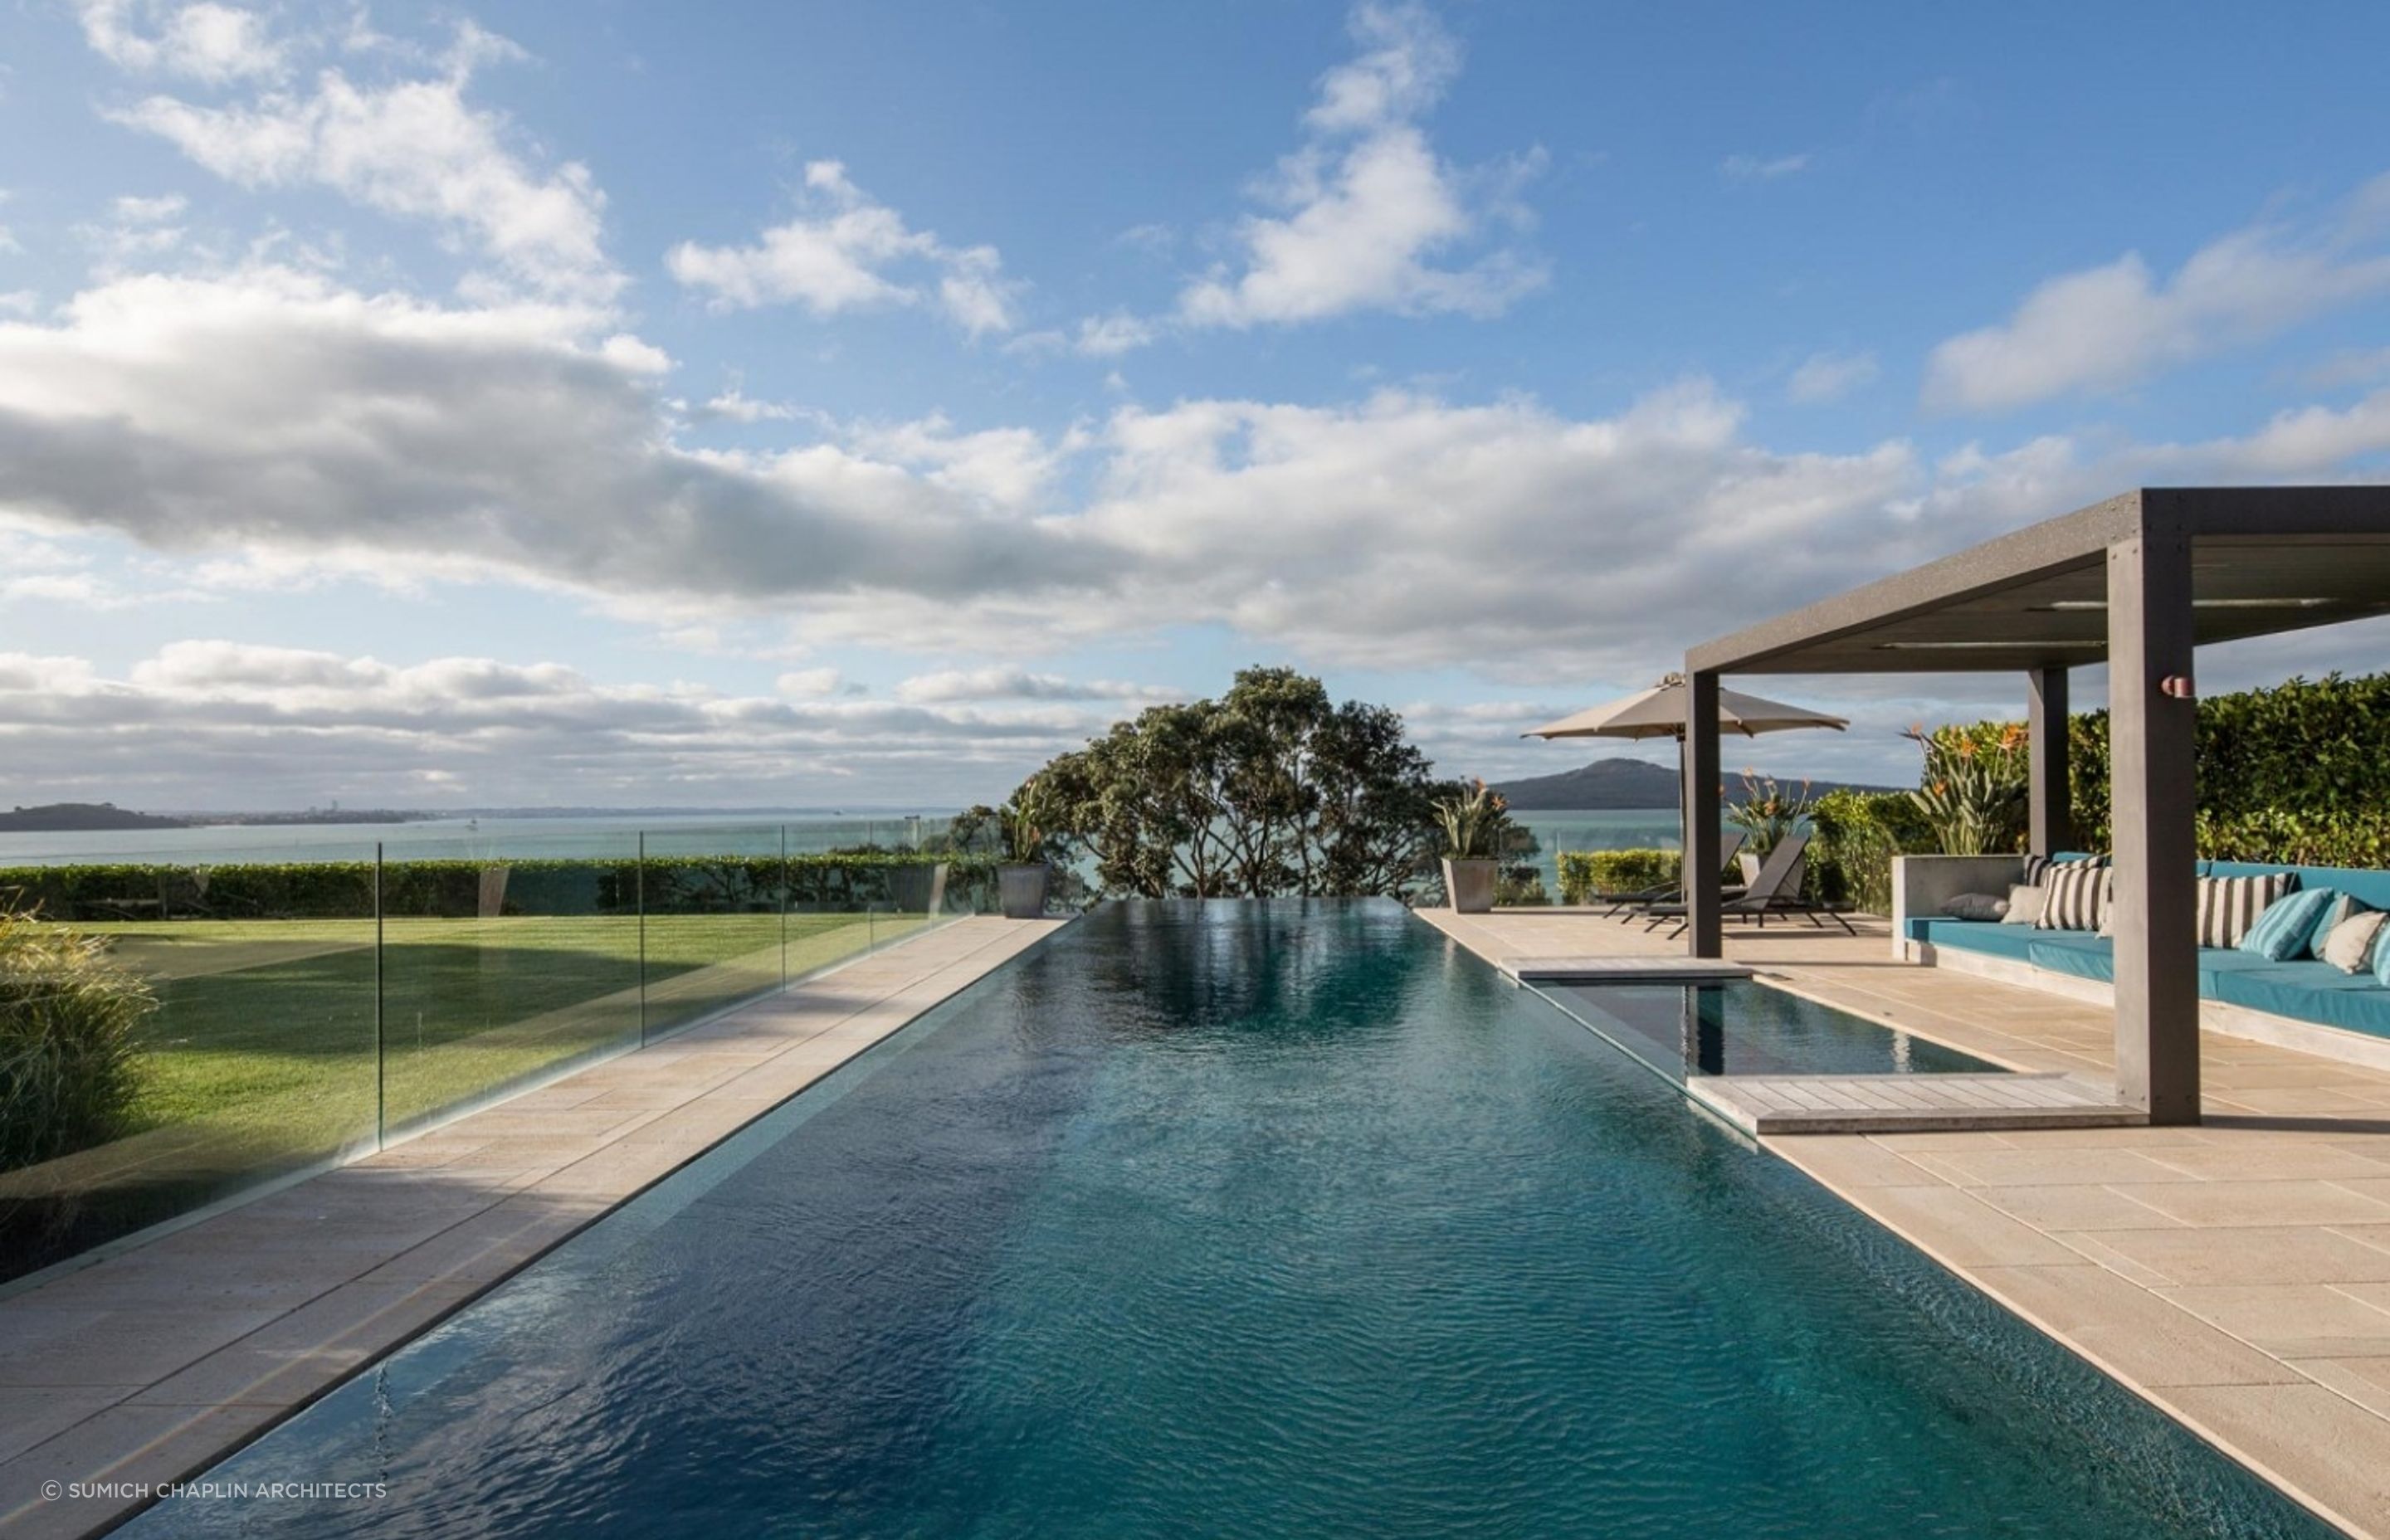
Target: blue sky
[(723, 404)]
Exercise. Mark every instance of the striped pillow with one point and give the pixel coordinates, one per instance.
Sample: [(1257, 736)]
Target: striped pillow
[(2229, 905), (2077, 897), (2037, 868), (2281, 932)]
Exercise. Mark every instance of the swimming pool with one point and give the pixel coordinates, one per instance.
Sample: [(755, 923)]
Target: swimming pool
[(1238, 1219), (1685, 1031)]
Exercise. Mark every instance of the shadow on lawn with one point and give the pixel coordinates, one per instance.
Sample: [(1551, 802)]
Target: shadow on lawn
[(265, 1058)]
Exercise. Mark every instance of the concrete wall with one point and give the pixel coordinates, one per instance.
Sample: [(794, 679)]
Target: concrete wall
[(1921, 884)]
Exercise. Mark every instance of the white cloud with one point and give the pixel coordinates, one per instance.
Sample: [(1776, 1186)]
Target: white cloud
[(838, 253), (810, 684), (1825, 377), (286, 727), (415, 148), (214, 44), (269, 429), (1110, 336), (733, 405), (270, 412), (2108, 327), (151, 211), (1754, 168), (20, 302), (1367, 207), (947, 686)]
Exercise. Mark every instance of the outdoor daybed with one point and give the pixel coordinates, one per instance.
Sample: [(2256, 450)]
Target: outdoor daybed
[(2306, 1004)]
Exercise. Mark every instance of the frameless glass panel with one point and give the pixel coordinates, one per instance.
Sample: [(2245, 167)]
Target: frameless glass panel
[(713, 920), (504, 960), (832, 892), (183, 1024)]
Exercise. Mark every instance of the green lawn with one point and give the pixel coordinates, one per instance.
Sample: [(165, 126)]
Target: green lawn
[(261, 1053)]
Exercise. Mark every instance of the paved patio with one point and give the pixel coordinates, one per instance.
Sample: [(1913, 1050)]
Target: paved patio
[(152, 1364), (2236, 1273)]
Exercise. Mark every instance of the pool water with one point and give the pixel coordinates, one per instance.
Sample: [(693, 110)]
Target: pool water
[(1742, 1027), (1235, 1219)]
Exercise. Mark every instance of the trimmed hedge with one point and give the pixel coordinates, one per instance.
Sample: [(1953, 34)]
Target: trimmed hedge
[(1854, 836), (1586, 875), (453, 889), (2298, 772)]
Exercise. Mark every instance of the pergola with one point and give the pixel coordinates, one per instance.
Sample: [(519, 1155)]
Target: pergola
[(2136, 582)]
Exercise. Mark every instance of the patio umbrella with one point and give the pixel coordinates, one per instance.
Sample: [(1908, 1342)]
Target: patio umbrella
[(1660, 712)]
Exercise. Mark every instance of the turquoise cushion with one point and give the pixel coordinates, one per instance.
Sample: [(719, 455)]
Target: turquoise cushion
[(2282, 931), (1987, 936), (2308, 991), (2077, 952)]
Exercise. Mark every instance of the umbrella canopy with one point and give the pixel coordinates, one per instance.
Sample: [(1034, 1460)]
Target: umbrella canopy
[(1660, 712)]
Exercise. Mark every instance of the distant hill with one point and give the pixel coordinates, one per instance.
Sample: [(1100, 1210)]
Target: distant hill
[(58, 817), (1609, 784)]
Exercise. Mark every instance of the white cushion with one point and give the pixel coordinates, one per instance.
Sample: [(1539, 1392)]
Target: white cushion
[(2350, 946), (2024, 904)]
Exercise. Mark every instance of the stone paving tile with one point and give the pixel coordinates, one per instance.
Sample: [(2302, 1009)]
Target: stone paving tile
[(122, 1443), (1957, 1228), (2077, 1207), (1851, 1162), (30, 1414), (2293, 1202), (2308, 1437), (2256, 1157), (2363, 1381), (2248, 1254), (2027, 1167), (2128, 1330), (2290, 1321)]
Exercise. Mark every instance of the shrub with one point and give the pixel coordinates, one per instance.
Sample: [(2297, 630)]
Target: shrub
[(69, 1065), (1768, 812), (1972, 791), (1857, 834), (1520, 887), (1586, 875)]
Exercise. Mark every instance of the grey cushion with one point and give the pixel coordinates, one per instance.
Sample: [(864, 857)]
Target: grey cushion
[(1976, 907)]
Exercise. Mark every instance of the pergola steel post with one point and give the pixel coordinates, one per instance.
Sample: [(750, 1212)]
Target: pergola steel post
[(1704, 925), (2151, 722), (2052, 796)]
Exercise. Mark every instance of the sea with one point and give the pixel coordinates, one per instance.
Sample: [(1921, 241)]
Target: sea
[(620, 836)]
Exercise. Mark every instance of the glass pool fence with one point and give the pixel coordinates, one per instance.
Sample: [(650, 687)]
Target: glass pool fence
[(190, 1026)]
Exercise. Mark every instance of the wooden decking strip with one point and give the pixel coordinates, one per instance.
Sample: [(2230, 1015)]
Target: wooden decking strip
[(1614, 971), (1894, 1104)]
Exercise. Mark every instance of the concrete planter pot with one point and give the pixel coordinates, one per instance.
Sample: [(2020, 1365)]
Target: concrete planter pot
[(917, 890), (1470, 885), (1020, 891)]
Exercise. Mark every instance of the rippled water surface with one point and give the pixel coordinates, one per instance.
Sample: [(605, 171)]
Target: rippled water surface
[(1238, 1220)]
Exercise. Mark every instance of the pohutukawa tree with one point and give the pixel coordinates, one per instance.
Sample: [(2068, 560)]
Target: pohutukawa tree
[(1274, 790)]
